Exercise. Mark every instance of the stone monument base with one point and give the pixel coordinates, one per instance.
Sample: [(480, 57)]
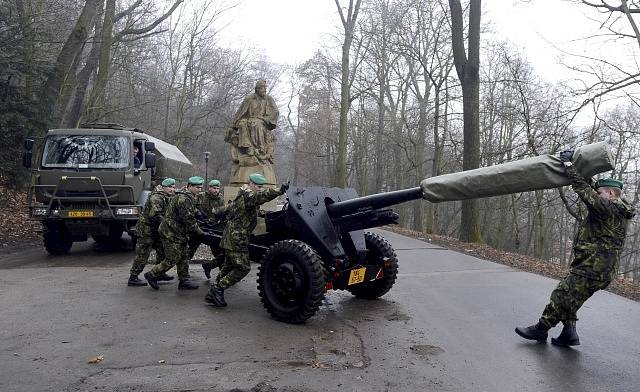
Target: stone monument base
[(240, 174)]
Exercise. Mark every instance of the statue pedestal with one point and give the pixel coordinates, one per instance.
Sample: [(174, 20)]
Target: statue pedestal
[(230, 193), (240, 174)]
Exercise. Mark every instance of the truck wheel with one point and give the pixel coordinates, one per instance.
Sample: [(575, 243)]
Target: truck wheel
[(291, 281), (379, 250), (57, 240)]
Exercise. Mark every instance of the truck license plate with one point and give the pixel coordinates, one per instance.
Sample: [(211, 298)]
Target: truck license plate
[(357, 275), (80, 214)]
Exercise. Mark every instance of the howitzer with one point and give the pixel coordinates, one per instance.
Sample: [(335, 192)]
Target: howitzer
[(317, 241)]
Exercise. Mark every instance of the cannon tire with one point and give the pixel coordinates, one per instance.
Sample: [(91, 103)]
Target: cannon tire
[(56, 238), (291, 281), (379, 249)]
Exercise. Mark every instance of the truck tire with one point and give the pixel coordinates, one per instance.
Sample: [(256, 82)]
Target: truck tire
[(379, 249), (57, 240), (291, 281)]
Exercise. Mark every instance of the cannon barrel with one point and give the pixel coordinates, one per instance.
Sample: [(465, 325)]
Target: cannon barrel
[(371, 202)]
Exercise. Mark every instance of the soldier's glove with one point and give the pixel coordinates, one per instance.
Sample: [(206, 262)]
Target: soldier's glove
[(284, 187), (566, 157)]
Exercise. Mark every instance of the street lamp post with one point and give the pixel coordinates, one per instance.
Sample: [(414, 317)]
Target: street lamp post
[(206, 169)]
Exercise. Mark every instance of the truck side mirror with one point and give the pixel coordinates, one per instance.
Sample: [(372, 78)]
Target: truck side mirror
[(28, 144), (26, 159), (149, 146), (150, 160)]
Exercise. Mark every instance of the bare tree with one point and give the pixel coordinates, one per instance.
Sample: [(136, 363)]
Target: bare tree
[(468, 72), (349, 23)]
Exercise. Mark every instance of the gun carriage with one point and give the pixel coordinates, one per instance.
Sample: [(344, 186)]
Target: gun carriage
[(317, 241)]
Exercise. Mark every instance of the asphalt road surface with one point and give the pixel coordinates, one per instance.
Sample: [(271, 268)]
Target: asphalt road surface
[(447, 325)]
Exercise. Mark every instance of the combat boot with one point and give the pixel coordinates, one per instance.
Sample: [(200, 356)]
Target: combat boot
[(164, 277), (135, 281), (187, 285), (215, 296), (535, 332), (207, 270), (153, 282), (568, 336)]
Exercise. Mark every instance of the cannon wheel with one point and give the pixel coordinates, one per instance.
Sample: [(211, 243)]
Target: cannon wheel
[(291, 282), (56, 238), (379, 249)]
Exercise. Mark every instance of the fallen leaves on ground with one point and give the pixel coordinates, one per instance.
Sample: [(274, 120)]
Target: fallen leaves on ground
[(15, 227), (620, 286), (96, 359)]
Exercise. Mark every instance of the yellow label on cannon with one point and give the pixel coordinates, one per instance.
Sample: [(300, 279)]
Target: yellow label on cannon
[(357, 275)]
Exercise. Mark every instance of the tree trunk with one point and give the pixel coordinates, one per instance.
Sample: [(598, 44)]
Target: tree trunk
[(379, 173), (73, 45), (345, 97), (94, 108), (468, 73)]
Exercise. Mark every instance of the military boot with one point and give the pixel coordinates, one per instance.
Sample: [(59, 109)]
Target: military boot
[(535, 332), (163, 277), (207, 270), (568, 336), (135, 281), (153, 282), (186, 284), (215, 296)]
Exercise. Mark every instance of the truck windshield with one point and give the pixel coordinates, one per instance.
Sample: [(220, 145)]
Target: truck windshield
[(86, 152)]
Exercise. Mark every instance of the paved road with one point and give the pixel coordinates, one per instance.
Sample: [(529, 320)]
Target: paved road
[(447, 325)]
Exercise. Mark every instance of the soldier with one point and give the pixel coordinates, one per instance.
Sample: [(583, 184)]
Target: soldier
[(147, 231), (240, 220), (209, 202), (596, 250), (176, 230)]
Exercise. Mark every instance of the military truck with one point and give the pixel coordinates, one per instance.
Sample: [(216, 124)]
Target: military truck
[(94, 181)]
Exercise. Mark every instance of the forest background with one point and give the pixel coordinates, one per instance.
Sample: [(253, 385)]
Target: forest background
[(389, 99)]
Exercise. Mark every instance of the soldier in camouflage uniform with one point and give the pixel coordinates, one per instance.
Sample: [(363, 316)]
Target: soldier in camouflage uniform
[(176, 230), (240, 220), (147, 231), (209, 203), (596, 249)]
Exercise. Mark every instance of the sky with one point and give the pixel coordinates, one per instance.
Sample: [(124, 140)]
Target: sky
[(290, 31)]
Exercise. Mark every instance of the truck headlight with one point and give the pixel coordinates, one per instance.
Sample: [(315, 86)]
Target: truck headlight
[(127, 211), (40, 211)]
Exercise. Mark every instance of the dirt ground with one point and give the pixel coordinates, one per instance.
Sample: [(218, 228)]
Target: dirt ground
[(620, 286)]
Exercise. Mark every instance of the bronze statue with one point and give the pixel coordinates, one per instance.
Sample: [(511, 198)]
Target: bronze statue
[(251, 136)]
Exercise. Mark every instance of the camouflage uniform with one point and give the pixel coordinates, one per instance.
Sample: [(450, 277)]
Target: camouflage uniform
[(207, 203), (241, 218), (147, 229), (177, 228), (596, 249)]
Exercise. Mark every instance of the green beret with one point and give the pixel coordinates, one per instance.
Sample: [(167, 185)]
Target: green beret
[(257, 179), (214, 183), (168, 182), (196, 180), (609, 183)]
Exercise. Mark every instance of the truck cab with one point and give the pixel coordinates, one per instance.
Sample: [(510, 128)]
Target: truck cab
[(94, 181)]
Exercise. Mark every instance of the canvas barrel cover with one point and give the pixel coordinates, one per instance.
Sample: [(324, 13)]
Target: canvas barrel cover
[(541, 172)]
